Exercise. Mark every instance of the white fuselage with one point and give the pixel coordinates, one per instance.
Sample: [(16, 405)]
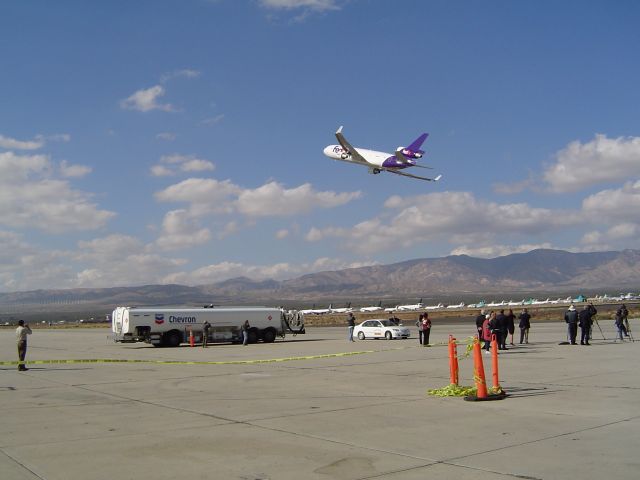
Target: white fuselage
[(375, 158)]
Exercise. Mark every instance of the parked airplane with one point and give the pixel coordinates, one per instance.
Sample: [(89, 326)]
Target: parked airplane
[(460, 305), (434, 307), (480, 304), (346, 309), (378, 162), (415, 306), (372, 308), (315, 311)]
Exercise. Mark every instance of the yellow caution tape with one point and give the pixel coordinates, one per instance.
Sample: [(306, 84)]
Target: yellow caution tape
[(188, 362)]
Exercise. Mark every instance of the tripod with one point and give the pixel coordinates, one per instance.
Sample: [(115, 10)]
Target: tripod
[(596, 322), (629, 331)]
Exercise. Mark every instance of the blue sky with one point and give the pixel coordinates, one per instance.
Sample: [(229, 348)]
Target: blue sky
[(181, 142)]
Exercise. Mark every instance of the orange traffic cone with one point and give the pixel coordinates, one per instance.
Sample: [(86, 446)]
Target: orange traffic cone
[(453, 361), (481, 382), (494, 363)]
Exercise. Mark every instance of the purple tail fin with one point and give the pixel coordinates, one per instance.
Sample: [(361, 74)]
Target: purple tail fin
[(417, 143)]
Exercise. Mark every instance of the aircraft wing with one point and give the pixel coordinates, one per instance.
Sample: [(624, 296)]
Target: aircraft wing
[(355, 156), (402, 159), (397, 172)]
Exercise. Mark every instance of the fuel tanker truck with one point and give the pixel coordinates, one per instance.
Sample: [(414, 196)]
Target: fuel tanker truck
[(171, 326)]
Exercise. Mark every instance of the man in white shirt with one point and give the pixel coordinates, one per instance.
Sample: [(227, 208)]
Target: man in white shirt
[(21, 336)]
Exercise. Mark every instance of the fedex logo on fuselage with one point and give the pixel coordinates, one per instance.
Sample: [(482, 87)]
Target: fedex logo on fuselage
[(338, 149)]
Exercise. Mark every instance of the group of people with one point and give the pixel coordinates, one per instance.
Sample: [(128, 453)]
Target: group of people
[(424, 329), (502, 325), (584, 319)]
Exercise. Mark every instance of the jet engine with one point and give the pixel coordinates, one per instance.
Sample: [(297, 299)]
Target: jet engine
[(374, 171), (410, 153)]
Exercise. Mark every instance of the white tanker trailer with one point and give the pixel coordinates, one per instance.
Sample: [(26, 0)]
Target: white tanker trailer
[(171, 326)]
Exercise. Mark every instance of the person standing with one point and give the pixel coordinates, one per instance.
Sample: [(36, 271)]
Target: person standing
[(620, 324), (419, 325), (480, 318), (511, 328), (206, 328), (426, 329), (351, 323), (21, 336), (584, 320), (245, 332), (524, 325), (500, 329), (571, 318), (486, 331), (625, 319)]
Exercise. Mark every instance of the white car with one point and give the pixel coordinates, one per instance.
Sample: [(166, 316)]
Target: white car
[(378, 328)]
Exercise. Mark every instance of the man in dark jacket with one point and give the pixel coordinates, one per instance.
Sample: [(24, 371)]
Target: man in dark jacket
[(501, 330), (479, 321), (584, 318), (524, 325), (571, 318)]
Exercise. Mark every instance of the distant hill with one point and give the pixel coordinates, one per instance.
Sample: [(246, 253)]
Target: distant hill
[(536, 271)]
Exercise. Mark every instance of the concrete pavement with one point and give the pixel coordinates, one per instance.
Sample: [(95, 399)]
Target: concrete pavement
[(573, 411)]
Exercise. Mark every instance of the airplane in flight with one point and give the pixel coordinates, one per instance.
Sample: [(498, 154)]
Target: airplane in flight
[(378, 162)]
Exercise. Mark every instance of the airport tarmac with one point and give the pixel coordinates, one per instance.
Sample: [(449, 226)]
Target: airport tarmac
[(334, 410)]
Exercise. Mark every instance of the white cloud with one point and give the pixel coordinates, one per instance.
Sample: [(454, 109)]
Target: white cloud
[(279, 271), (13, 144), (186, 73), (229, 229), (197, 165), (186, 163), (168, 136), (209, 196), (281, 234), (67, 170), (180, 231), (30, 196), (161, 171), (205, 195), (603, 159), (118, 260), (317, 5), (272, 199), (441, 216), (213, 120), (615, 205), (146, 100), (492, 251)]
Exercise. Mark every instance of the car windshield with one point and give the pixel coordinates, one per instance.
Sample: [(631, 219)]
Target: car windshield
[(388, 323)]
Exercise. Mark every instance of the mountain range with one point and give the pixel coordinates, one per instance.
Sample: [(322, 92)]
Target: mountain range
[(542, 270)]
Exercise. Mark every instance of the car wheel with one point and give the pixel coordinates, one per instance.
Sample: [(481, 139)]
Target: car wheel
[(388, 335), (360, 335)]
